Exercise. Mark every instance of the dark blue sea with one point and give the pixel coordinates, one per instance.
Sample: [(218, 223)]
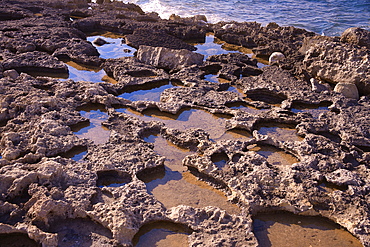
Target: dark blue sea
[(327, 17)]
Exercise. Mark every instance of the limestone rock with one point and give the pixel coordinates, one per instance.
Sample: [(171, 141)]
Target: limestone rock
[(356, 36), (11, 73), (319, 86), (339, 63), (99, 41), (34, 62), (129, 71), (348, 90), (149, 37), (168, 58), (275, 57)]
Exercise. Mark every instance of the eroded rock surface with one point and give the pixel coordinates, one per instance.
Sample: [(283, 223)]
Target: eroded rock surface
[(49, 199)]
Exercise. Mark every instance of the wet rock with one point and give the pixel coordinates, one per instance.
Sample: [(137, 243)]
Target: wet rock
[(168, 58), (79, 51), (99, 41), (10, 12), (123, 222), (204, 221), (348, 90), (130, 71), (274, 85), (232, 66), (125, 157), (356, 36), (34, 62), (338, 63), (148, 37), (49, 199)]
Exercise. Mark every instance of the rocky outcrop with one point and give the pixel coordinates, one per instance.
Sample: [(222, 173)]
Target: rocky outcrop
[(101, 199), (37, 62), (339, 63), (356, 36), (153, 38), (129, 71), (169, 59)]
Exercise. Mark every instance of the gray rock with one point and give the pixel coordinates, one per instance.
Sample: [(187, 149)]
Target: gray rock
[(275, 57), (339, 63), (99, 41), (356, 36), (11, 73), (168, 58), (129, 71), (348, 90), (34, 62), (319, 86), (156, 38)]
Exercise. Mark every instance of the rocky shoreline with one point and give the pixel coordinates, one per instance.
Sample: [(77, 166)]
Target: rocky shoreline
[(43, 192)]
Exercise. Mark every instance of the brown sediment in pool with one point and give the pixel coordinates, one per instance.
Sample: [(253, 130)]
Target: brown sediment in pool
[(281, 229), (235, 134), (76, 153), (83, 67), (191, 191), (80, 72), (230, 47), (174, 186), (147, 93), (186, 119), (162, 234), (314, 110), (274, 155), (281, 132)]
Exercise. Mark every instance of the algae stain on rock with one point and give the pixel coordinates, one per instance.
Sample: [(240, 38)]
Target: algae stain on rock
[(282, 229)]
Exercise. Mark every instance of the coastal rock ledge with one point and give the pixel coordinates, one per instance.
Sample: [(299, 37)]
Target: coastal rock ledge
[(81, 163)]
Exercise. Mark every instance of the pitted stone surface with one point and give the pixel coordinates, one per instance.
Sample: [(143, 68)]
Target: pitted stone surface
[(130, 71), (339, 63), (42, 193)]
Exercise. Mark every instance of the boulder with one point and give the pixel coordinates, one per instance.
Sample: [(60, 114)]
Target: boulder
[(356, 36), (11, 73), (348, 90), (335, 62), (319, 86), (99, 41), (275, 57), (166, 58)]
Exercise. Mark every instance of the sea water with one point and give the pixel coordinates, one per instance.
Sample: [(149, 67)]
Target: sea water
[(325, 17)]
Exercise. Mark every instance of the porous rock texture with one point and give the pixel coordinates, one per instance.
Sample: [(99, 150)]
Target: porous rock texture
[(49, 199)]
